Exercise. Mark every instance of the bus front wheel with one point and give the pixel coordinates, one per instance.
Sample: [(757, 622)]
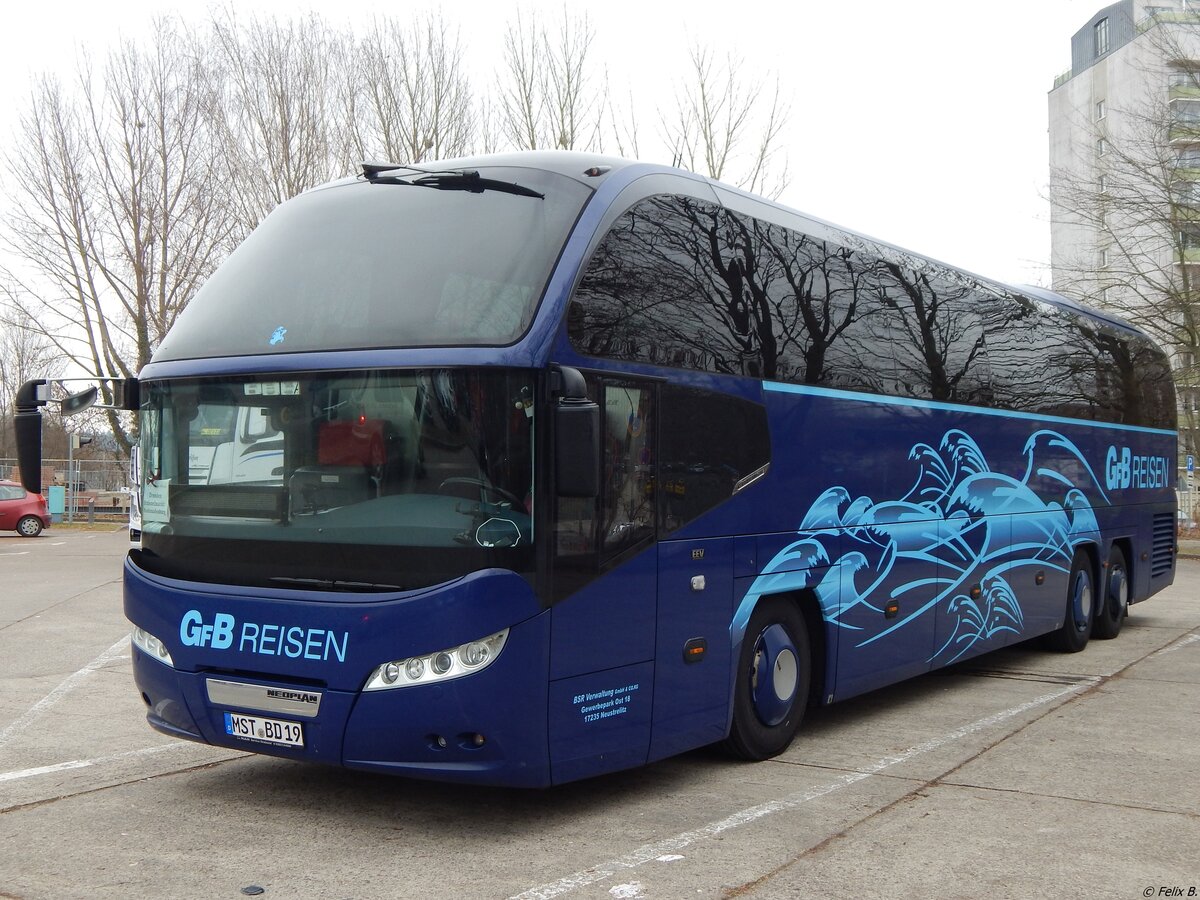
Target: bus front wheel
[(1081, 605), (773, 679)]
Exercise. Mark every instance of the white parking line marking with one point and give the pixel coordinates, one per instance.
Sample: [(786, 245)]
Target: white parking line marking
[(68, 684), (85, 763), (649, 852), (1176, 645)]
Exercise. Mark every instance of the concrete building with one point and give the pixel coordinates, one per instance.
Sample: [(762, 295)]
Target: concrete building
[(1125, 178)]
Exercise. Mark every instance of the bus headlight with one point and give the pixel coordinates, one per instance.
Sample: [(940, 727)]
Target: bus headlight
[(444, 665), (152, 646)]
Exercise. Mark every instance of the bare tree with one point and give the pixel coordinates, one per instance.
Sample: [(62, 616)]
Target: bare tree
[(522, 101), (24, 355), (283, 131), (547, 91), (1126, 204), (623, 126), (574, 105), (132, 179), (114, 216), (721, 127), (416, 101)]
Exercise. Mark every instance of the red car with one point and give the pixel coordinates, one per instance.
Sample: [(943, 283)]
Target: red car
[(22, 511)]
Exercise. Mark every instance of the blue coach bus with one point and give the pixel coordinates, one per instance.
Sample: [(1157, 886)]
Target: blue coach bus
[(521, 469)]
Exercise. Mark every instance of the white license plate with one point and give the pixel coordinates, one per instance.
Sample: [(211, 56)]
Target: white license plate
[(267, 731)]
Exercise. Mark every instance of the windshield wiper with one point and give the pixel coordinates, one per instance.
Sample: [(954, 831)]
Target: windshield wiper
[(465, 180), (475, 184)]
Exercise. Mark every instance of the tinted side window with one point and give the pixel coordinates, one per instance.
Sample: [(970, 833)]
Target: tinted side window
[(1116, 383), (684, 283), (1052, 361), (939, 335), (1086, 362), (653, 292), (1155, 405), (710, 443), (1030, 356), (1134, 380), (815, 306)]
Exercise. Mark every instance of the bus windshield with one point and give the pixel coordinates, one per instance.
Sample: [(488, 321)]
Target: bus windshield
[(365, 265), (377, 479)]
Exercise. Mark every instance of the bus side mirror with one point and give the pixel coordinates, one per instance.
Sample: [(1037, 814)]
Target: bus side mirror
[(27, 420), (576, 439), (77, 403), (27, 427), (126, 394)]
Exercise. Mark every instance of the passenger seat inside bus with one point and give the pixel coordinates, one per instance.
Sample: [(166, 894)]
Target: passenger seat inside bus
[(350, 458)]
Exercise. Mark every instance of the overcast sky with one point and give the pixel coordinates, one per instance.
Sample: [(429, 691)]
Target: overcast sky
[(922, 123)]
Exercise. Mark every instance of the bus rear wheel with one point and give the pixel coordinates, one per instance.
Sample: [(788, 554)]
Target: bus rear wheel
[(773, 679), (1081, 605), (1111, 615)]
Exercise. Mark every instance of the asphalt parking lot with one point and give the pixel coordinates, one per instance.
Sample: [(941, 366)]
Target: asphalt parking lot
[(1023, 773)]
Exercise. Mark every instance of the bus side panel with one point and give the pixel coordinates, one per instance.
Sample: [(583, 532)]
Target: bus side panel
[(1039, 584), (797, 568), (607, 623), (885, 607), (841, 475), (493, 723), (959, 619), (602, 672), (967, 521), (695, 602), (600, 722)]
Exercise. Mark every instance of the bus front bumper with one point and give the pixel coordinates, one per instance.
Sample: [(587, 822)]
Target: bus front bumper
[(487, 727)]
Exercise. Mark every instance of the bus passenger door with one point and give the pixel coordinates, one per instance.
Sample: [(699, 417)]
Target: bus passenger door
[(605, 588), (692, 669)]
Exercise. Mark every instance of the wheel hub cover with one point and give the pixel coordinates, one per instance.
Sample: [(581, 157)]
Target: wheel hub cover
[(776, 675), (1082, 604)]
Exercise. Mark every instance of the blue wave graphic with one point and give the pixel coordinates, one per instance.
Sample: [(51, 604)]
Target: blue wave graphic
[(974, 527)]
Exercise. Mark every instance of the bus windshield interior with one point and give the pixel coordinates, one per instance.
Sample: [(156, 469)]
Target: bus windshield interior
[(322, 470)]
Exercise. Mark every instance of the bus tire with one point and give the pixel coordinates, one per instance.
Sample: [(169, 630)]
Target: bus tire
[(1081, 604), (773, 680), (1115, 597)]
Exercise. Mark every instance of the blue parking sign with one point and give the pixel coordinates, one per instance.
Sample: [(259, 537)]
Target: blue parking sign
[(1191, 464)]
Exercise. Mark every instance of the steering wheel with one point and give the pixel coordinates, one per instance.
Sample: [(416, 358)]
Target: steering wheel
[(486, 487)]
